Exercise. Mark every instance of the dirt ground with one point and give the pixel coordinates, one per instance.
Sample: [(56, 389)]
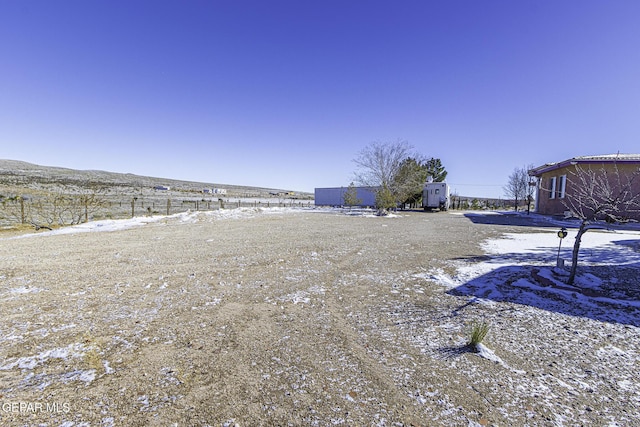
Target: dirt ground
[(283, 318)]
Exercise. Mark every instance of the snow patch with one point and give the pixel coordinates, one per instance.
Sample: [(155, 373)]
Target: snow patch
[(30, 362)]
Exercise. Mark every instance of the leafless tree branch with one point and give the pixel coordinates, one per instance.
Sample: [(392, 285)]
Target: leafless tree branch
[(599, 194)]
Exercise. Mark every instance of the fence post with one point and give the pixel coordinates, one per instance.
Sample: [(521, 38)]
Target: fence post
[(22, 218), (168, 206)]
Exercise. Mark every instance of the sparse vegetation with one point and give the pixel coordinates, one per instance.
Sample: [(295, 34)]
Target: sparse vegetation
[(479, 331), (91, 357)]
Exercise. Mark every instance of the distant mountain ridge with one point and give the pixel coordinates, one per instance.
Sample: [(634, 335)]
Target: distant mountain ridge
[(19, 174)]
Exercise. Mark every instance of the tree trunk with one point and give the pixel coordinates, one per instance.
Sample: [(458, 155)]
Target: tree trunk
[(576, 250)]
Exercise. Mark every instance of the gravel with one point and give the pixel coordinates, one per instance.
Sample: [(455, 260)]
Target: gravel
[(290, 317)]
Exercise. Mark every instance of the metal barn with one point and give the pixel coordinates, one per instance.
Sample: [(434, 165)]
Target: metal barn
[(334, 196)]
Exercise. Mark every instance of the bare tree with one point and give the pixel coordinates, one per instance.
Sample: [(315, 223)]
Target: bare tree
[(380, 164), (52, 209), (84, 205), (598, 195), (517, 187)]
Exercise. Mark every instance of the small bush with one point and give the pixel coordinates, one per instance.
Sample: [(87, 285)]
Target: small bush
[(478, 333)]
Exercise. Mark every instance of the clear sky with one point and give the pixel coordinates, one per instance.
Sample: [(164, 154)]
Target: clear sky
[(284, 94)]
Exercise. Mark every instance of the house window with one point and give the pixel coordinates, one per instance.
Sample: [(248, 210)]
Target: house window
[(563, 187), (552, 188)]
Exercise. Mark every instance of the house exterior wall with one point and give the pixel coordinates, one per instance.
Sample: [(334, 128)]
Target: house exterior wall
[(551, 200), (334, 196), (557, 185)]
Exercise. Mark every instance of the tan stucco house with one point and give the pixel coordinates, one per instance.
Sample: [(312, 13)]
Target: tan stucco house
[(557, 181)]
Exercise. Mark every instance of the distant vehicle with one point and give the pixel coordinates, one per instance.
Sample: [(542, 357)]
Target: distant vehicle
[(435, 195), (282, 193)]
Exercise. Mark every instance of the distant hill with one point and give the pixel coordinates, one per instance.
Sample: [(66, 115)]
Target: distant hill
[(17, 176)]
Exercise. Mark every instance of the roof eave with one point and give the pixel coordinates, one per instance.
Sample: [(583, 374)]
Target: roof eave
[(579, 160)]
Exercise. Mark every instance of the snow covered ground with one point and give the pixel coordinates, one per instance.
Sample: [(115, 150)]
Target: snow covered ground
[(109, 225), (517, 268)]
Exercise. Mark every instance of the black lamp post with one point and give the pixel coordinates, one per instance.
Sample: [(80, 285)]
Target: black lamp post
[(561, 234)]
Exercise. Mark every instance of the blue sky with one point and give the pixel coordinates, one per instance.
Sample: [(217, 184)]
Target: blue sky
[(284, 94)]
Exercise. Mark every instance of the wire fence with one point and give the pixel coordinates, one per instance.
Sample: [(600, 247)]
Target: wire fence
[(57, 210)]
